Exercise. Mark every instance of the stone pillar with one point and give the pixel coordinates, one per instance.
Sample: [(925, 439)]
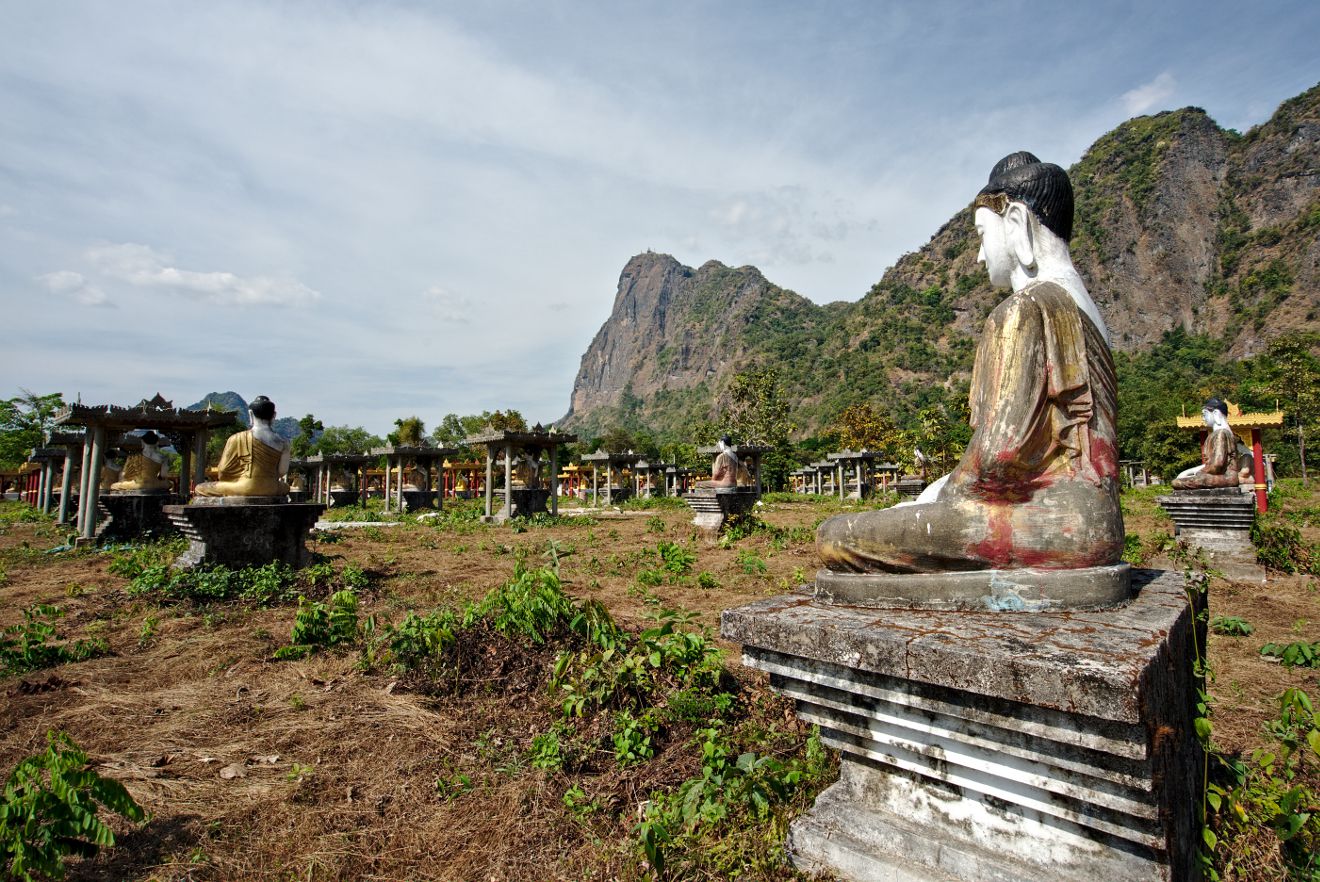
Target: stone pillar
[(595, 487), (83, 494), (508, 478), (554, 481), (387, 483), (609, 483), (47, 479), (66, 485), (185, 466), (490, 474), (94, 485), (1258, 471), (398, 487), (199, 464)]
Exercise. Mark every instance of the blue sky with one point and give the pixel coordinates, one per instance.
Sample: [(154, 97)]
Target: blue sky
[(371, 210)]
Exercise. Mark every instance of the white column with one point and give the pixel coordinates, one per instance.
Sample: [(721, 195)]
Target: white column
[(66, 485)]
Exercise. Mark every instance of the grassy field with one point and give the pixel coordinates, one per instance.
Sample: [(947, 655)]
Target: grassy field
[(537, 701)]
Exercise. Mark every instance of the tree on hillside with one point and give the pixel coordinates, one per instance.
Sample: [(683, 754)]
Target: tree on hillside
[(24, 421), (1291, 365), (408, 432)]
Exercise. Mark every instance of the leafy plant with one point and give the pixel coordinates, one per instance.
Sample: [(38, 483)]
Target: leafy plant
[(707, 580), (676, 558), (317, 625), (1299, 654), (1231, 626), (751, 563), (50, 811), (632, 738), (26, 646)]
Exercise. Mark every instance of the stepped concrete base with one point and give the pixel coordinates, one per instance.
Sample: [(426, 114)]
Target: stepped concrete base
[(525, 503), (909, 488), (416, 500), (132, 516), (995, 590), (712, 509), (993, 747), (1218, 522), (246, 531)]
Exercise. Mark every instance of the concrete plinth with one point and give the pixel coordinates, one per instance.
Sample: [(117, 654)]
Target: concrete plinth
[(909, 488), (341, 498), (134, 516), (244, 531), (1218, 522), (978, 746), (996, 590), (522, 503), (415, 500), (712, 509)]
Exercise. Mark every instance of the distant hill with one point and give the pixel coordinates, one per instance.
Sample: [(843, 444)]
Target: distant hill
[(286, 427), (1180, 224)]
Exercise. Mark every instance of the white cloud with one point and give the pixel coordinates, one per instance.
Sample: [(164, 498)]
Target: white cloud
[(1151, 96), (75, 285), (143, 267), (448, 306)]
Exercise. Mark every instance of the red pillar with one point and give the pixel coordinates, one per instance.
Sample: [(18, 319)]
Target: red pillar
[(1258, 467)]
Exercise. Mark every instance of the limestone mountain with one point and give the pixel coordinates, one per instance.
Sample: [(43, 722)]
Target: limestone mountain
[(1179, 224), (286, 427)]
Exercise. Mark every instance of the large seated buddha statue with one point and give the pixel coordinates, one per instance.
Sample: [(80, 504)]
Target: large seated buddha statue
[(253, 462), (146, 471), (1038, 484), (1222, 463), (724, 471)]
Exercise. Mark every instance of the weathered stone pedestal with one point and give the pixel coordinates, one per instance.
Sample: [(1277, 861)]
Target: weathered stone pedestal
[(415, 500), (341, 498), (1217, 521), (993, 747), (242, 531), (521, 503), (909, 487), (135, 516), (712, 509)]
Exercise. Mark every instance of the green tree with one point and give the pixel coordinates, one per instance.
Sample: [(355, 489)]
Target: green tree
[(861, 428), (756, 413), (347, 439), (1291, 365), (24, 422), (309, 429), (408, 432)]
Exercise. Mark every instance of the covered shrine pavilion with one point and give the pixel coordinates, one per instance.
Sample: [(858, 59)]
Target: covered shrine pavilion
[(529, 447), (861, 462), (186, 430), (324, 466), (645, 475), (468, 473), (749, 455), (571, 480), (1240, 422), (429, 459), (619, 468), (679, 479)]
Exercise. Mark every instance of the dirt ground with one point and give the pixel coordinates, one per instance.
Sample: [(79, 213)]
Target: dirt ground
[(311, 769)]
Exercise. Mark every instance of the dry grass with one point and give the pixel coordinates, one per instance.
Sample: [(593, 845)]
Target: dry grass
[(253, 769)]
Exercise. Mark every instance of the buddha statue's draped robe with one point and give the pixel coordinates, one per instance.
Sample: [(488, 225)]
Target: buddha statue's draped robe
[(724, 473), (1219, 458), (1038, 483), (248, 467), (141, 473)]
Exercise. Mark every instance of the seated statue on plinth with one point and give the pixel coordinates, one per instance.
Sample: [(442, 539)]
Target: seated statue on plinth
[(527, 472), (110, 472), (1038, 484), (146, 471), (253, 462), (1222, 465), (414, 478), (724, 473)]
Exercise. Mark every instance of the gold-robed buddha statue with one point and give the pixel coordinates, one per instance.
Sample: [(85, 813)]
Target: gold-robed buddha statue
[(253, 462), (145, 471), (1038, 484)]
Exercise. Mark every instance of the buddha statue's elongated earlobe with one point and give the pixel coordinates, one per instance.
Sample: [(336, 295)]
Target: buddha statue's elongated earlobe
[(1017, 229)]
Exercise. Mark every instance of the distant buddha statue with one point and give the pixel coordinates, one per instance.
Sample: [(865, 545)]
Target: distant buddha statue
[(1038, 484), (109, 475), (254, 462), (724, 473), (1222, 464), (146, 471), (414, 478), (527, 472), (297, 483)]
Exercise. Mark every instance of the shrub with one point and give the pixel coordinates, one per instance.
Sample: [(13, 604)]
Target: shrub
[(49, 811), (320, 625), (1231, 626)]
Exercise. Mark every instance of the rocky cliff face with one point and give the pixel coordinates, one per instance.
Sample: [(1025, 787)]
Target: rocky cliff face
[(1179, 224)]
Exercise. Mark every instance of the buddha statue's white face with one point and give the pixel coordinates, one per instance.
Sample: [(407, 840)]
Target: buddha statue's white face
[(1213, 417), (995, 252)]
